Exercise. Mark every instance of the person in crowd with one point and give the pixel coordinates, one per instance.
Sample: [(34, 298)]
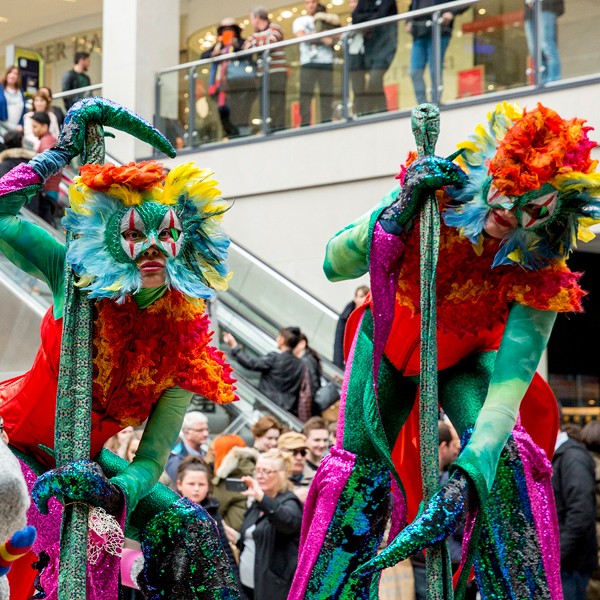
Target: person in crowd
[(118, 443), (233, 97), (590, 437), (194, 482), (266, 33), (270, 532), (76, 78), (133, 443), (12, 99), (281, 372), (41, 103), (13, 154), (194, 435), (338, 346), (317, 444), (379, 51), (58, 112), (48, 199), (311, 381), (266, 432), (574, 485), (356, 59), (421, 53), (295, 443), (238, 462), (573, 430), (316, 65), (332, 428), (549, 13)]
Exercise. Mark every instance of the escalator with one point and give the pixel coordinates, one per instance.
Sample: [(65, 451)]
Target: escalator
[(260, 302)]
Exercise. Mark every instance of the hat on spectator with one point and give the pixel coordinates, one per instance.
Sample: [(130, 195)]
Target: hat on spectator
[(222, 444), (292, 440)]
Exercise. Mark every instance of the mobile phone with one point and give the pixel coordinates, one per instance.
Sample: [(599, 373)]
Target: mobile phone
[(235, 485)]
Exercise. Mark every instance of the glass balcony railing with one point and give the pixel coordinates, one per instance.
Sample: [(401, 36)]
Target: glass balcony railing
[(453, 52)]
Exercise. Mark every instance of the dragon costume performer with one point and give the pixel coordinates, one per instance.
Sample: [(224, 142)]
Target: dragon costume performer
[(510, 217), (149, 351)]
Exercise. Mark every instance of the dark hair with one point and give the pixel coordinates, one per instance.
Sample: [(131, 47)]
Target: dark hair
[(45, 87), (13, 139), (291, 336), (590, 436), (572, 430), (41, 117), (80, 56), (195, 464), (312, 352), (362, 288), (260, 428), (260, 13)]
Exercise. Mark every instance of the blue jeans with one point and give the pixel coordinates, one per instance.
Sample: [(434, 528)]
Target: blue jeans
[(550, 56), (420, 55), (574, 584)]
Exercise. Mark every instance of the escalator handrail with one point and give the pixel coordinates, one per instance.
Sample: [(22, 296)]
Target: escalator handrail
[(285, 280)]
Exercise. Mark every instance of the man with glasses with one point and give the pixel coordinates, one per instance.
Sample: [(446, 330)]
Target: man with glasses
[(193, 443), (295, 442)]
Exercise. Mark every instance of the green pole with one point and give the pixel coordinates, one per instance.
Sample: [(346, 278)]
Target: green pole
[(74, 407), (426, 127)]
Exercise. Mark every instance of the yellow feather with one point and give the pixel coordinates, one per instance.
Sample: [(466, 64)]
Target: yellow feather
[(516, 256), (178, 179)]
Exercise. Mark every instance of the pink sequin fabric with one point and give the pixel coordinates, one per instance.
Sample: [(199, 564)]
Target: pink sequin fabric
[(19, 177), (320, 506), (103, 577), (538, 477)]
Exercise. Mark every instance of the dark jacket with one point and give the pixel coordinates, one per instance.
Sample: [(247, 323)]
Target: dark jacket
[(420, 26), (277, 536), (12, 157), (381, 41), (281, 375), (338, 344), (73, 80), (573, 481), (176, 457), (555, 6)]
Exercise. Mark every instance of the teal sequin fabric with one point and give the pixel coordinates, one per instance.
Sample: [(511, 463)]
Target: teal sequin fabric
[(353, 536)]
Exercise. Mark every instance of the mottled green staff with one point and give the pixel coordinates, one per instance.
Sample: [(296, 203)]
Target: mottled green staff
[(425, 124)]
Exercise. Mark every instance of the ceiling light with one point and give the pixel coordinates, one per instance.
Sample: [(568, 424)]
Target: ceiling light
[(286, 14), (3, 20)]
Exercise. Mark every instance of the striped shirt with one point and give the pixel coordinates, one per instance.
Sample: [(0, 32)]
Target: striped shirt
[(272, 34)]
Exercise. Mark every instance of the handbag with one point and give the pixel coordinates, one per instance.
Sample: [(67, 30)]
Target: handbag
[(241, 75), (327, 395)]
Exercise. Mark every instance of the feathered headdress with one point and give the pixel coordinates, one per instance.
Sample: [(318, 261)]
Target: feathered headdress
[(539, 166), (101, 200)]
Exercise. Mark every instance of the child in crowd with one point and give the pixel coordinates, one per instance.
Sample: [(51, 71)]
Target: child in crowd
[(194, 482), (40, 126)]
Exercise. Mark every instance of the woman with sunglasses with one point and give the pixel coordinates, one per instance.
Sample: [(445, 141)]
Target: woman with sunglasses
[(270, 533)]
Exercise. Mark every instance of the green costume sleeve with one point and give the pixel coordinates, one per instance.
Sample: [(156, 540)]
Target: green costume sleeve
[(31, 248), (346, 254), (160, 435), (525, 338)]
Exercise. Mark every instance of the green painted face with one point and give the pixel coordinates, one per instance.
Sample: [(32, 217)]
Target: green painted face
[(532, 210), (132, 230)]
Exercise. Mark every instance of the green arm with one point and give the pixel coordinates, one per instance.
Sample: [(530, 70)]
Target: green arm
[(160, 435), (523, 342), (31, 248), (346, 256)]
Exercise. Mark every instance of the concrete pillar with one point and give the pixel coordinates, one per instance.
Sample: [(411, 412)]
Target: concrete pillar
[(140, 37)]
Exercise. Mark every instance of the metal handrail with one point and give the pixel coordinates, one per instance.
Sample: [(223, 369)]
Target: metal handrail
[(317, 36), (81, 90)]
